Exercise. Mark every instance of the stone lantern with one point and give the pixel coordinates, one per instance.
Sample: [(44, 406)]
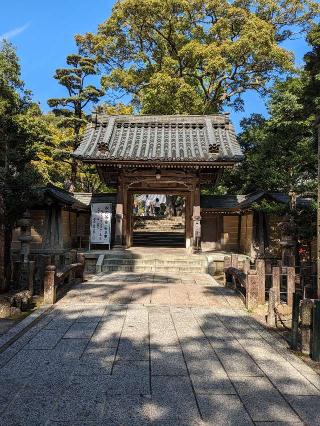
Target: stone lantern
[(25, 235), (288, 241)]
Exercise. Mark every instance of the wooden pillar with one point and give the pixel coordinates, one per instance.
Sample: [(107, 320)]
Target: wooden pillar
[(188, 220), (128, 221), (196, 218), (125, 221), (119, 215), (239, 233)]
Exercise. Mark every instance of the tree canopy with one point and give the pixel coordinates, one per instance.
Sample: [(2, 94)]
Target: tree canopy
[(194, 56), (70, 109), (21, 133), (281, 150)]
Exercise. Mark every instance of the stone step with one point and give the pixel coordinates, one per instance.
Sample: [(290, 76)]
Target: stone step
[(149, 269), (157, 262), (159, 239)]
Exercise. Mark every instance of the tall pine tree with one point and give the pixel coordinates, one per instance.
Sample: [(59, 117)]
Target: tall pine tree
[(71, 108)]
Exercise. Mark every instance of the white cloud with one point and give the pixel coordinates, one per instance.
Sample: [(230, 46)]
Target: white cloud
[(13, 33)]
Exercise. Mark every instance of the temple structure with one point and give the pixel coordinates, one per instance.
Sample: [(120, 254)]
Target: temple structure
[(173, 155)]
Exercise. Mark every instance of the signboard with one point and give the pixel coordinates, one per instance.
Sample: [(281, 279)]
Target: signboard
[(100, 227)]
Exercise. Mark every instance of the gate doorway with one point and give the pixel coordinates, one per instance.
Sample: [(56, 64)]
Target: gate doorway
[(158, 220)]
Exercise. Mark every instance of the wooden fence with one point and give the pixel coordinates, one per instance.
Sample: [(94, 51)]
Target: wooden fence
[(56, 282), (253, 281)]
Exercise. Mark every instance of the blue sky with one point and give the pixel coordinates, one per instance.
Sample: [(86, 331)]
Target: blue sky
[(43, 33)]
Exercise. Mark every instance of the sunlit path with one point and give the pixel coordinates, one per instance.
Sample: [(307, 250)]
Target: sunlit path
[(134, 349)]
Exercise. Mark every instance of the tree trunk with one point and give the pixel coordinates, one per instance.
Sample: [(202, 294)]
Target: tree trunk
[(73, 177)]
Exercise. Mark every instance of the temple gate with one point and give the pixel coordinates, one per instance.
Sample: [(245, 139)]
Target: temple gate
[(172, 155)]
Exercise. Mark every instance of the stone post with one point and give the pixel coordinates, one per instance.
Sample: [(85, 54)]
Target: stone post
[(295, 320), (271, 318), (31, 269), (227, 262), (306, 319), (25, 235), (43, 260), (252, 290), (261, 271), (246, 266), (226, 265), (73, 256), (81, 258), (234, 261), (49, 288), (291, 285), (276, 283), (316, 331)]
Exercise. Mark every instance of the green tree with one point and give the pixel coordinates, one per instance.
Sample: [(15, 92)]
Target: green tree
[(71, 108), (194, 56), (21, 133), (281, 151)]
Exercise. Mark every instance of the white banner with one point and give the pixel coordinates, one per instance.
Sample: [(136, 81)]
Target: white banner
[(100, 228)]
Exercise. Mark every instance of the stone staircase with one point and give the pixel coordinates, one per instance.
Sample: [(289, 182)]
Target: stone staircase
[(159, 224), (159, 232), (154, 263)]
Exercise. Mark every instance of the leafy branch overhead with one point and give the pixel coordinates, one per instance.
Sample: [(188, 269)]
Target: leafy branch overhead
[(194, 56), (281, 150), (70, 109)]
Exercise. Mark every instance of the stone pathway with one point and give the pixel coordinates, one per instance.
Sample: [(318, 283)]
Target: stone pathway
[(128, 349)]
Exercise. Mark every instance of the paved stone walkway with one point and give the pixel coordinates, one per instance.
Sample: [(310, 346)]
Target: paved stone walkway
[(128, 349)]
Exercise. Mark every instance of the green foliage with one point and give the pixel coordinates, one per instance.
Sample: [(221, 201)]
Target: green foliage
[(194, 56), (117, 109), (21, 133), (280, 151), (271, 207), (71, 113)]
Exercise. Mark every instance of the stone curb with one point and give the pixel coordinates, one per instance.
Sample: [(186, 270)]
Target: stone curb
[(19, 329)]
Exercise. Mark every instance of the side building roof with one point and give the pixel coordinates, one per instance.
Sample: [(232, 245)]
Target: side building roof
[(238, 203), (165, 138)]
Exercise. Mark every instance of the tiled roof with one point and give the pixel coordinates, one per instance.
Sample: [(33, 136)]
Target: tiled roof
[(172, 138), (243, 202), (88, 198), (221, 201), (60, 196)]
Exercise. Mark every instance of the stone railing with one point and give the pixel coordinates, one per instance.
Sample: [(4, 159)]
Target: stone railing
[(57, 282), (251, 281)]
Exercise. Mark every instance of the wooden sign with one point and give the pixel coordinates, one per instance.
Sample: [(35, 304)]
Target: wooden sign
[(100, 225)]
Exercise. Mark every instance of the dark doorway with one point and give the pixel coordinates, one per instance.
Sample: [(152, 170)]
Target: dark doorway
[(159, 220)]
